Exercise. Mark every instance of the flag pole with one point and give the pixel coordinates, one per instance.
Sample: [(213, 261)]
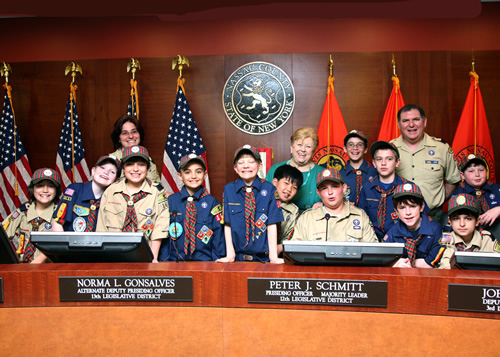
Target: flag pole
[(132, 66), (330, 87), (179, 62), (73, 69), (476, 81), (5, 71), (395, 79)]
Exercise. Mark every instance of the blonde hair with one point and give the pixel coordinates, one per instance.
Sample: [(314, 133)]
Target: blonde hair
[(303, 133)]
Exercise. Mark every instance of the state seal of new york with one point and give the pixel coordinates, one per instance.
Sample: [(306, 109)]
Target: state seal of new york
[(258, 98)]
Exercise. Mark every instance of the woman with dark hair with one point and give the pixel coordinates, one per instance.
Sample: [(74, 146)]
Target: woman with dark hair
[(128, 132)]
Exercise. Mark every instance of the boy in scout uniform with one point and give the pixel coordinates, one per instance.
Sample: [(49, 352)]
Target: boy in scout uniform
[(463, 213), (357, 171), (287, 180), (251, 212), (376, 195), (337, 220), (135, 204), (195, 231), (474, 173), (79, 206), (421, 236), (44, 191)]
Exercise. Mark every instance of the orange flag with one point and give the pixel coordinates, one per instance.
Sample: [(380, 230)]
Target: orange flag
[(473, 134), (331, 131), (389, 129)]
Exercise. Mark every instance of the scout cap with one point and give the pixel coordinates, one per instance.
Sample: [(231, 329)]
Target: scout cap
[(189, 158), (407, 189), (329, 175), (110, 158), (383, 145), (247, 149), (470, 159), (135, 151), (358, 134), (46, 174), (462, 201)]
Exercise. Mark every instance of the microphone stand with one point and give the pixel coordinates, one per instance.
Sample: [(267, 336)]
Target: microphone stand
[(327, 218)]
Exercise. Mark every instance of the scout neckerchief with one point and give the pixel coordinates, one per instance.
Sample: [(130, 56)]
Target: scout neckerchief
[(190, 223), (94, 207), (359, 183), (130, 223), (382, 204), (30, 248), (411, 247), (249, 214)]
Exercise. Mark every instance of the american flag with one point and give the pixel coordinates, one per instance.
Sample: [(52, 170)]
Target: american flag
[(14, 166), (64, 160), (183, 139), (133, 104)]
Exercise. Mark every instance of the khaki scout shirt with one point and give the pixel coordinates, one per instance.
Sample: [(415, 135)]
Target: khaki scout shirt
[(290, 215), (152, 174), (431, 162), (353, 225), (18, 224), (482, 242), (153, 216)]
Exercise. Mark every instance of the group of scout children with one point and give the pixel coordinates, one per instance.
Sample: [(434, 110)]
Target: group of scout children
[(257, 215)]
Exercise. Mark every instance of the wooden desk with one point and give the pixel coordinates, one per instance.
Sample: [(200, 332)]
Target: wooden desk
[(220, 321)]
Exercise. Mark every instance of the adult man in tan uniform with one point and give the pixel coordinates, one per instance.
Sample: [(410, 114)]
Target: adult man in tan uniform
[(337, 220), (425, 160)]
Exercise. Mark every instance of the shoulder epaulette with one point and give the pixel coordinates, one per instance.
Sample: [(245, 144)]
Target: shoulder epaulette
[(159, 186), (486, 233), (151, 160), (24, 207)]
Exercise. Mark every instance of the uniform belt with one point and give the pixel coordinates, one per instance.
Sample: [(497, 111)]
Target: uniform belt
[(260, 257)]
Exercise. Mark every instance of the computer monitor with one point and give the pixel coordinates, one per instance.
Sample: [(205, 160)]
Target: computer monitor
[(477, 260), (93, 247), (7, 250), (341, 253)]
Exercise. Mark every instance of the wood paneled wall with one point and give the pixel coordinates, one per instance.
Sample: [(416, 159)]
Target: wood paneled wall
[(437, 80)]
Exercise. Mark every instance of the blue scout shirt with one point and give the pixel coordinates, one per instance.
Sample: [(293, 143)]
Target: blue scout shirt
[(210, 243), (491, 192), (349, 174), (267, 212), (429, 248), (74, 207)]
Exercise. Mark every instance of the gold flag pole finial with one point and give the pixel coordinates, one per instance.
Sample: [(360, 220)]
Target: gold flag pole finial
[(473, 63), (394, 66), (5, 71), (180, 61), (331, 66), (73, 68), (132, 66)]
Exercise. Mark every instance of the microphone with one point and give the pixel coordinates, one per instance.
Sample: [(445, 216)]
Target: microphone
[(327, 218)]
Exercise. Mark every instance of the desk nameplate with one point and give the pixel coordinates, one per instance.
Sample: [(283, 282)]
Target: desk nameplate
[(126, 288), (475, 298), (366, 293)]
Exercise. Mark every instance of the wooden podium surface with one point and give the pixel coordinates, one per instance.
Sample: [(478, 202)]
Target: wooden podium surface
[(220, 321)]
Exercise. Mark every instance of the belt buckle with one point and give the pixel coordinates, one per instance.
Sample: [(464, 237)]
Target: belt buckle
[(247, 258)]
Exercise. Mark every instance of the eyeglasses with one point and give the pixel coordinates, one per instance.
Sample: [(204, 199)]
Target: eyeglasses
[(358, 145), (127, 133)]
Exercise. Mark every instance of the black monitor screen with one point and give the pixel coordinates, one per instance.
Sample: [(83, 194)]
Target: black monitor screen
[(477, 260), (93, 247), (341, 253), (7, 252)]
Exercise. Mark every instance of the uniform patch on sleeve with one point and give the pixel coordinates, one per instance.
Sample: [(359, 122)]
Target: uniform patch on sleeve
[(394, 215), (15, 214), (216, 210), (69, 192), (385, 238), (445, 239), (496, 247), (61, 212), (162, 198)]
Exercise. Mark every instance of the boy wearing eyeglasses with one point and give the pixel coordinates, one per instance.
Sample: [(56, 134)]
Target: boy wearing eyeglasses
[(357, 170)]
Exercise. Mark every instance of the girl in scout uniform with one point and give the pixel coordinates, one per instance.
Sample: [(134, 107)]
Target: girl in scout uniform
[(77, 211), (135, 204), (44, 191)]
